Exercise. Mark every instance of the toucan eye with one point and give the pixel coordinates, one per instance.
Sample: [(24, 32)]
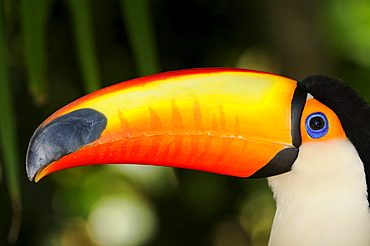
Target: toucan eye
[(317, 125)]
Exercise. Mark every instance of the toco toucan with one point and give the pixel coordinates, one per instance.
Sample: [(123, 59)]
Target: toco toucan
[(310, 138)]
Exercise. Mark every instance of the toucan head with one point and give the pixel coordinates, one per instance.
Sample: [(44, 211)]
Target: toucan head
[(229, 121)]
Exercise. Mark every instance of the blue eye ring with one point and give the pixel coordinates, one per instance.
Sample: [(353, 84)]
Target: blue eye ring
[(317, 125)]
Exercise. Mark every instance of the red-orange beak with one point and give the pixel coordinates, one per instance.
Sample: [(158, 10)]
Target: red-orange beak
[(229, 121)]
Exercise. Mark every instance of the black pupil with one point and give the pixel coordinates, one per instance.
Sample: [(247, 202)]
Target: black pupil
[(317, 123)]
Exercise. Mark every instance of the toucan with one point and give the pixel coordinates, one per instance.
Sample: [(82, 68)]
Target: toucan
[(311, 139)]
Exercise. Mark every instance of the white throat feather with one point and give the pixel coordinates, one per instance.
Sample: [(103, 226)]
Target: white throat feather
[(323, 200)]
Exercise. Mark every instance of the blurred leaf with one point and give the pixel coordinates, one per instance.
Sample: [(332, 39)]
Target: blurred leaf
[(8, 136), (1, 172), (140, 31), (34, 15), (354, 18), (83, 28)]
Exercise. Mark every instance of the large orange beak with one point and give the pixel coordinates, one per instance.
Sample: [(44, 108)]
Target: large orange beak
[(228, 121)]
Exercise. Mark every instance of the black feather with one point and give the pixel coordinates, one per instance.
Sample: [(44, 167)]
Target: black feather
[(352, 110)]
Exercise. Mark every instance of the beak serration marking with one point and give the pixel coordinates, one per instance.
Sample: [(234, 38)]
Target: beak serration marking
[(198, 120), (125, 126), (222, 119), (226, 144), (177, 122), (155, 121)]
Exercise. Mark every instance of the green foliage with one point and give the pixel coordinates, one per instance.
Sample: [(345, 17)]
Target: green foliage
[(8, 133), (34, 17), (349, 29), (140, 31), (84, 38)]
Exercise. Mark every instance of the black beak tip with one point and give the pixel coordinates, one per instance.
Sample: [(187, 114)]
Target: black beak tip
[(34, 162), (31, 172), (62, 136)]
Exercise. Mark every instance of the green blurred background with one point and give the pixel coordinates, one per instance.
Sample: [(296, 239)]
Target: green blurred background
[(54, 51)]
